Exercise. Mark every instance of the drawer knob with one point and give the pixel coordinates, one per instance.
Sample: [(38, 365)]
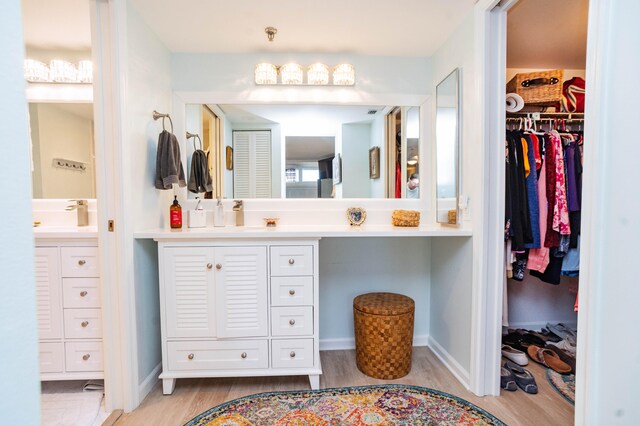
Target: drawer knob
[(83, 293), (84, 324), (292, 322), (218, 266), (85, 357), (292, 261), (209, 266), (190, 356), (292, 354), (292, 292), (81, 262), (243, 355)]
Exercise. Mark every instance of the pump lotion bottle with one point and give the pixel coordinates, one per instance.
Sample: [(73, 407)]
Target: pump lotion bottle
[(175, 214)]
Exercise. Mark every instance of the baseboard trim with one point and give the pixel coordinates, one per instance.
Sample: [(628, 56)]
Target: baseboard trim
[(454, 366), (350, 343), (148, 383)]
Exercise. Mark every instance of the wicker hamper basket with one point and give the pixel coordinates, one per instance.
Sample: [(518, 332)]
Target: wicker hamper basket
[(383, 325), (405, 218), (539, 88)]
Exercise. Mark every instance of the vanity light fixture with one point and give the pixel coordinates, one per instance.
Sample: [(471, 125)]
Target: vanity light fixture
[(293, 74), (58, 71)]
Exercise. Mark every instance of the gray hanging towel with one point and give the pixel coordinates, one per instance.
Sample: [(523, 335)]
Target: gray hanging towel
[(168, 165), (200, 178)]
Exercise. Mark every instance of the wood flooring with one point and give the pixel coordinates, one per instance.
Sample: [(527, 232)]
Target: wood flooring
[(193, 396)]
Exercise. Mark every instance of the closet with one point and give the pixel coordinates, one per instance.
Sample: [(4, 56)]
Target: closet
[(543, 163)]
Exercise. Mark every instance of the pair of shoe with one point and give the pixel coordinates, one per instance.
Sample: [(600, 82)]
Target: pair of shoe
[(549, 359), (514, 355), (513, 376), (564, 332)]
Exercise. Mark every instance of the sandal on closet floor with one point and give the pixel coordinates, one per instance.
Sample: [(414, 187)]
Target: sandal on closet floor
[(563, 331), (548, 358), (524, 379), (507, 380), (514, 355), (565, 345), (566, 357)]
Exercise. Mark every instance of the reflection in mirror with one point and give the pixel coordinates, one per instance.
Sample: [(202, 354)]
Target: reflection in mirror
[(447, 148), (62, 150), (286, 151)]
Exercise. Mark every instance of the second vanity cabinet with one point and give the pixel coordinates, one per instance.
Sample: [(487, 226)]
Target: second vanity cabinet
[(239, 308), (69, 310)]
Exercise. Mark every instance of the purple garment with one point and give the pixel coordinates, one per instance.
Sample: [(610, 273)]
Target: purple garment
[(531, 183), (572, 188)]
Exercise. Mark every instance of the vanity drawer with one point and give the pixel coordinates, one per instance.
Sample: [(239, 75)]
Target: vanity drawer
[(291, 260), (218, 355), (292, 291), (292, 321), (51, 357), (83, 356), (292, 353), (79, 261), (82, 323), (81, 292)]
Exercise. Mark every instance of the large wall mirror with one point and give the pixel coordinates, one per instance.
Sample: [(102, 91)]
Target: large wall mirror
[(62, 150), (308, 151), (447, 148)]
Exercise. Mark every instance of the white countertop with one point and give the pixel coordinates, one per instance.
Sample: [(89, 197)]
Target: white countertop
[(303, 231), (65, 232)]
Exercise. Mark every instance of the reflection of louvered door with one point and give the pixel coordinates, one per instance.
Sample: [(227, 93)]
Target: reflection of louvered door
[(252, 164), (48, 297), (189, 281), (241, 291)]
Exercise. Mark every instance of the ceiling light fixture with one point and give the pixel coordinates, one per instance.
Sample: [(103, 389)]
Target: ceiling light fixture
[(58, 71), (293, 74), (344, 75)]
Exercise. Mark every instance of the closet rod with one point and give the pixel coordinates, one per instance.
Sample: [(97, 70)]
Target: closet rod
[(539, 115), (157, 115)]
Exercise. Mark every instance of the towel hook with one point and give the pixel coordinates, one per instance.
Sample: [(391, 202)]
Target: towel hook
[(157, 115), (194, 136)]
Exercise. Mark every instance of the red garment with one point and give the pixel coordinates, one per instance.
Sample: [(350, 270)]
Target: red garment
[(552, 238), (398, 180), (573, 95)]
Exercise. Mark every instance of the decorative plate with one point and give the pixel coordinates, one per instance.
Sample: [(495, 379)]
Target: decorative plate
[(356, 216)]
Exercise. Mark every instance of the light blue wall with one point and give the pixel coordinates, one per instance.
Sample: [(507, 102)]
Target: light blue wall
[(20, 390), (353, 266), (356, 139)]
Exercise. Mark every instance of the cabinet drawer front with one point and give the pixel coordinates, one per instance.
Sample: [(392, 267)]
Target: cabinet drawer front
[(291, 260), (79, 261), (218, 355), (291, 291), (292, 353), (292, 321), (81, 292), (83, 356), (51, 357), (82, 323)]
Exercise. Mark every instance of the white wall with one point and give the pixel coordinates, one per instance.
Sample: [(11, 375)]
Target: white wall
[(356, 140), (533, 303), (20, 390)]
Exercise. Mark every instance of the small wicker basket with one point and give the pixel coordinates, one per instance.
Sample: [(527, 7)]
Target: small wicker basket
[(538, 88), (383, 324), (405, 218)]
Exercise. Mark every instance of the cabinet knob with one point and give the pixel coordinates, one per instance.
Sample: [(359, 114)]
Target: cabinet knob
[(243, 355), (190, 356), (81, 262), (292, 261), (209, 266), (218, 266), (292, 322), (292, 354), (84, 324), (292, 292), (83, 293), (85, 357)]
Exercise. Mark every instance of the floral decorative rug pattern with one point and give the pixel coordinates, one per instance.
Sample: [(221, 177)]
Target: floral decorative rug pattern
[(564, 384), (362, 405)]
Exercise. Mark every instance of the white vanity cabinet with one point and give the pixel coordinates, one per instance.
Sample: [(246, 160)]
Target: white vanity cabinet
[(69, 310), (238, 308)]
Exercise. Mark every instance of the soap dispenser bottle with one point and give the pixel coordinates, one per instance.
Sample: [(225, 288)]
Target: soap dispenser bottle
[(218, 214), (175, 214)]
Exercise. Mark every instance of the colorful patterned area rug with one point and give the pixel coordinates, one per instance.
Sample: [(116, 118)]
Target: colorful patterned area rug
[(362, 405), (564, 384)]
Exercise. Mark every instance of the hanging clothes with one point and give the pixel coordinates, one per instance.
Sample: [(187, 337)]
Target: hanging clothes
[(169, 168)]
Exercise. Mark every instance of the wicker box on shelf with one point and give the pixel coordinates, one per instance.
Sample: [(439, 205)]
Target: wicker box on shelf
[(383, 324), (405, 218), (541, 87)]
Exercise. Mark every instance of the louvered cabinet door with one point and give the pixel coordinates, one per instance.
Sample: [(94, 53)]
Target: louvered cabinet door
[(241, 291), (252, 164), (188, 292), (48, 295)]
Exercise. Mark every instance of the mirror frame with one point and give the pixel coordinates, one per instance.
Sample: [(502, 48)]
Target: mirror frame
[(301, 96), (458, 98)]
